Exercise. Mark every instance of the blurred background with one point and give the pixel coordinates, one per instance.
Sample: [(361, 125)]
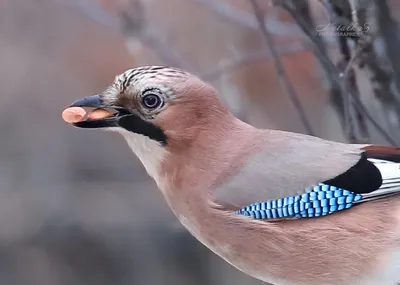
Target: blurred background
[(76, 207)]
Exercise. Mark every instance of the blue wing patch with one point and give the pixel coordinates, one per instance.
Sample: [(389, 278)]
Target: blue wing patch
[(320, 200)]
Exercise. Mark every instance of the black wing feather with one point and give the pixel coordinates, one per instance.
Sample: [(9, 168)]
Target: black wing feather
[(364, 177)]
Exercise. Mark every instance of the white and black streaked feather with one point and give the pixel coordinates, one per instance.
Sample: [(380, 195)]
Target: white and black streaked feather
[(390, 172)]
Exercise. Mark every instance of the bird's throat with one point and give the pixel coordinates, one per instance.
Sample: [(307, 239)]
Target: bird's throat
[(150, 152)]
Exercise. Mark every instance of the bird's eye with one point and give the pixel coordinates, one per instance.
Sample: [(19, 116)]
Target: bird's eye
[(151, 101)]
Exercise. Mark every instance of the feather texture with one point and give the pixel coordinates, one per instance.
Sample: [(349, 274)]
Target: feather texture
[(285, 164), (324, 199), (320, 200)]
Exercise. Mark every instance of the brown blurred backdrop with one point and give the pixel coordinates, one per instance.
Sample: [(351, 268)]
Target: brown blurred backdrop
[(76, 207)]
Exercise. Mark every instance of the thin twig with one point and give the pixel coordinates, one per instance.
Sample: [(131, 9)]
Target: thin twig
[(355, 116), (340, 100), (284, 80), (348, 110), (361, 107), (354, 16), (349, 75), (351, 62), (345, 65)]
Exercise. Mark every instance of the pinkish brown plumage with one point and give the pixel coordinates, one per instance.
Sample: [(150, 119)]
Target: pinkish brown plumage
[(208, 164)]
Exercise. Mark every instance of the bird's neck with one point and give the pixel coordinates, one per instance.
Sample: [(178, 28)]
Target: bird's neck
[(149, 152)]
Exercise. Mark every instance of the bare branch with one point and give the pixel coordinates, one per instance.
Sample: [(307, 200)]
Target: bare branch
[(351, 62), (389, 28), (381, 71), (344, 88), (354, 16), (343, 102), (284, 80), (349, 75)]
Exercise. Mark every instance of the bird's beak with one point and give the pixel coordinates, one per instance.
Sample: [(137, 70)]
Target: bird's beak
[(121, 117), (109, 119)]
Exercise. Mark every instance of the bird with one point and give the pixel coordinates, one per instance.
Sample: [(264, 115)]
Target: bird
[(285, 208)]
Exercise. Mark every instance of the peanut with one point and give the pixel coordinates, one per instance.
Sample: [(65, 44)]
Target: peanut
[(73, 114)]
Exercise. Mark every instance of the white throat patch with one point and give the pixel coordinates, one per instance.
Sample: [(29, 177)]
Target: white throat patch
[(149, 152)]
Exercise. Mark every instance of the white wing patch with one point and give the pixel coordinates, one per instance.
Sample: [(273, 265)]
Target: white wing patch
[(390, 172)]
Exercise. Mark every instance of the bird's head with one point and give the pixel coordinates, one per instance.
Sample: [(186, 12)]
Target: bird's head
[(157, 109)]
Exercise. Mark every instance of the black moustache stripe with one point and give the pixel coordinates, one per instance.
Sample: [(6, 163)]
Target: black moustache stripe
[(135, 124)]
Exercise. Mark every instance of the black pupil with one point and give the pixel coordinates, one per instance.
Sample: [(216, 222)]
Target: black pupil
[(151, 101)]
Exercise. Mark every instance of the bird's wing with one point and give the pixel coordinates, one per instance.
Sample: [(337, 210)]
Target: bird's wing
[(292, 166)]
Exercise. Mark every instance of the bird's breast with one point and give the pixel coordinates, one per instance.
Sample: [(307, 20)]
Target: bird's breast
[(359, 247)]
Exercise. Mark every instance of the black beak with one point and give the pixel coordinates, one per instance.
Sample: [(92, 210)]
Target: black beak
[(95, 101)]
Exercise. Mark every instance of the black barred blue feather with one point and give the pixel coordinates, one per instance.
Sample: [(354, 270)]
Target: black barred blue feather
[(318, 201)]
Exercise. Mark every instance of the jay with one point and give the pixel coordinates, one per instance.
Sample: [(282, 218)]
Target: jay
[(285, 208)]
